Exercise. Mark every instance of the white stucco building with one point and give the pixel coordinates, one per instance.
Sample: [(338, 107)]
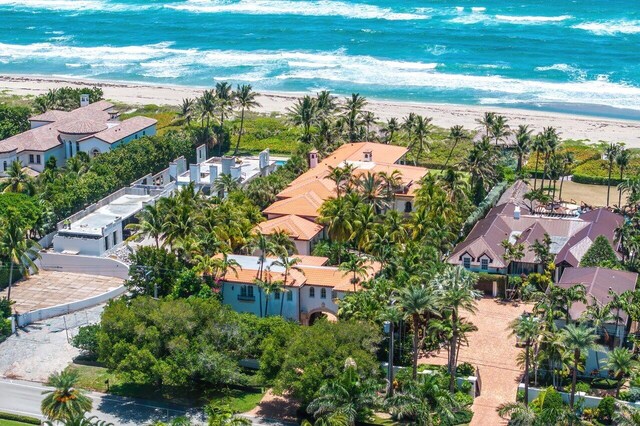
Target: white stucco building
[(93, 128)]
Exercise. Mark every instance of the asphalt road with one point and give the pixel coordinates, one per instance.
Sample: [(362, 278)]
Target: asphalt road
[(24, 398)]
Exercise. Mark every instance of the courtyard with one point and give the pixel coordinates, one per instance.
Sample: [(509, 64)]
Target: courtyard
[(51, 288)]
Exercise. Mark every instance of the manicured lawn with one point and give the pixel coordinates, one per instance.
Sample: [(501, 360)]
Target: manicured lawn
[(11, 423), (94, 378)]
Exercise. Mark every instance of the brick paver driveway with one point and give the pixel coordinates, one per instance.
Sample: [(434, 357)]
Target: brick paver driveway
[(494, 352), (51, 288)]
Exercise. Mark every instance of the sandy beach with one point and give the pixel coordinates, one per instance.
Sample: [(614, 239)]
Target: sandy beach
[(593, 129)]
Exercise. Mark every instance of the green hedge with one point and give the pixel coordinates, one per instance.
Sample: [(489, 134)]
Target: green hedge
[(20, 418), (596, 172)]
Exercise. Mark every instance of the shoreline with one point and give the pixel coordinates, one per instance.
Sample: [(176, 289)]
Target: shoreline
[(579, 127)]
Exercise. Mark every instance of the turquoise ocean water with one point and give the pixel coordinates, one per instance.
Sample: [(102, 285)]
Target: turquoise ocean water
[(574, 56)]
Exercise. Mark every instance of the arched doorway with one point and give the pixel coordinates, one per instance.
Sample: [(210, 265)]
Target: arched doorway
[(318, 314)]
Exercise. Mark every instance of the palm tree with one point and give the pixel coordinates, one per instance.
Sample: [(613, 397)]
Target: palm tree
[(224, 105), (579, 340), (551, 140), (527, 329), (415, 301), (519, 413), (246, 99), (304, 113), (358, 266), (151, 223), (523, 144), (626, 416), (224, 185), (424, 402), (186, 110), (337, 214), (599, 316), (65, 401), (622, 161), (18, 180), (222, 415), (348, 395), (259, 242), (341, 176), (621, 362), (391, 128), (422, 128), (611, 152), (455, 291), (499, 128), (79, 421), (17, 248), (207, 106), (457, 134), (368, 118), (408, 124), (486, 122), (326, 103), (352, 111), (289, 264), (568, 160), (539, 145)]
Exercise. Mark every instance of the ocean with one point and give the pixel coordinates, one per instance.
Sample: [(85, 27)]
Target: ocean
[(580, 56)]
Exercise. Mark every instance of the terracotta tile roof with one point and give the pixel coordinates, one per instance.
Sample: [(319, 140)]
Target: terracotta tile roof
[(306, 205), (597, 281), (45, 137), (125, 128), (50, 116), (323, 188), (298, 228), (312, 260), (81, 127)]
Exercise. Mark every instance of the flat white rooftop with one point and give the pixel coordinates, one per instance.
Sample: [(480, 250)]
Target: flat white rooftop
[(119, 209)]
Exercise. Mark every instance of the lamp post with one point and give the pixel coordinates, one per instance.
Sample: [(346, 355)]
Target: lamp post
[(389, 329)]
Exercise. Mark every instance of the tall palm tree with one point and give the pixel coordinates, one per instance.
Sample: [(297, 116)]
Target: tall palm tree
[(486, 122), (151, 223), (499, 128), (622, 161), (539, 145), (224, 107), (338, 215), (416, 300), (18, 180), (368, 118), (408, 124), (304, 112), (551, 141), (421, 128), (598, 317), (326, 103), (621, 362), (222, 415), (568, 160), (186, 110), (207, 106), (579, 340), (352, 114), (527, 329), (611, 152), (358, 266), (289, 264), (457, 134), (65, 401), (224, 185), (523, 144), (455, 292), (17, 248), (626, 416), (390, 129), (261, 243), (341, 176), (246, 99)]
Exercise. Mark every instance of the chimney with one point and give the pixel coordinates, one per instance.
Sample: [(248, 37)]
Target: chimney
[(201, 153), (516, 212), (368, 156), (194, 173), (313, 158), (227, 163), (84, 100), (213, 173)]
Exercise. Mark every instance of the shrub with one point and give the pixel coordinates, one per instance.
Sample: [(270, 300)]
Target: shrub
[(632, 395), (5, 308), (466, 369), (87, 339), (552, 399), (604, 384), (520, 395), (464, 399), (19, 418), (583, 387), (5, 329), (465, 386), (600, 254), (13, 120), (462, 417), (606, 409)]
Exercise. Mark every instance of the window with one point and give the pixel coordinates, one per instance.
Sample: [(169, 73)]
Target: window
[(466, 262), (115, 238), (323, 293), (4, 166), (95, 152), (38, 160), (243, 291), (250, 290), (289, 296), (106, 243), (77, 147), (31, 158), (144, 132), (246, 293), (484, 263), (407, 207), (277, 295), (312, 292)]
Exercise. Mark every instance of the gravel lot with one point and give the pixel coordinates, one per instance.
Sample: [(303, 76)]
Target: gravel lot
[(40, 349)]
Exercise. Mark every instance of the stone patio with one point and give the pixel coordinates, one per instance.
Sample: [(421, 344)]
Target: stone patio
[(494, 352), (51, 288)]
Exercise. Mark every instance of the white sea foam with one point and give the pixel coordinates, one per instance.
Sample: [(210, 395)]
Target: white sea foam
[(610, 28), (75, 5), (576, 73), (304, 7), (478, 9), (532, 19), (268, 67)]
